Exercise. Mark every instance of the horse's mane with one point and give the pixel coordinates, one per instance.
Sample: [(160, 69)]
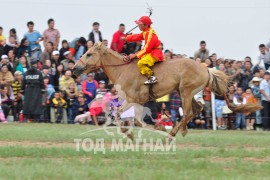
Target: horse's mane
[(112, 52)]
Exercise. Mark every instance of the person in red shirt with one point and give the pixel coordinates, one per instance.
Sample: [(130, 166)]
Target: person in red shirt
[(117, 44), (151, 52)]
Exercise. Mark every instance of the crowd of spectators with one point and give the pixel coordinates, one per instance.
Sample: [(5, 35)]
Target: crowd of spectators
[(69, 99)]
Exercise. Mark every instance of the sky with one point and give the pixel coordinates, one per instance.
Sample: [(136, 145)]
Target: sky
[(231, 28)]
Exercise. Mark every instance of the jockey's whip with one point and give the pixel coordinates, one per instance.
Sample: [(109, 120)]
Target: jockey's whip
[(150, 11)]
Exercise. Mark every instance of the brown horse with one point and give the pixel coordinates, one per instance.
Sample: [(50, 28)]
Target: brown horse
[(184, 75)]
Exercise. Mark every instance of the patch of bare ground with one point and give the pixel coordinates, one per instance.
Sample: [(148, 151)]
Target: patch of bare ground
[(221, 159), (257, 160)]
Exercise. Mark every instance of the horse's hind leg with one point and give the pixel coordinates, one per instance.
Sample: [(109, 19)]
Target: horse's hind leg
[(187, 114)]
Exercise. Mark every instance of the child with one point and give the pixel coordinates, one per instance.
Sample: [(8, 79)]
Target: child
[(250, 118), (102, 88), (59, 104), (239, 100), (165, 119), (256, 92)]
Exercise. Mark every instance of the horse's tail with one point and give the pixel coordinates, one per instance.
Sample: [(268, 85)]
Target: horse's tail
[(218, 84)]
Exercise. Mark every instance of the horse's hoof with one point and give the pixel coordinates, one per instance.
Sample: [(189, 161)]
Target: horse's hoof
[(170, 138), (184, 132)]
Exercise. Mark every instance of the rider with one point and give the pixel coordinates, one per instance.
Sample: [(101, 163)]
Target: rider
[(151, 52)]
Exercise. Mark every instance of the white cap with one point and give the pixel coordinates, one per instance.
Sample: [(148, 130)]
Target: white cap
[(66, 53), (4, 57), (55, 53)]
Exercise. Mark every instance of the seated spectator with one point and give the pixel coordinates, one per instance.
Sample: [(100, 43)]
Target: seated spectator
[(81, 44), (6, 101), (68, 57), (89, 87), (89, 45), (240, 117), (58, 75), (80, 106), (45, 73), (6, 77), (208, 62), (72, 94), (16, 88), (55, 58), (199, 60), (47, 53), (174, 105), (96, 108), (101, 88), (64, 48), (59, 104), (199, 120), (23, 65), (66, 80), (165, 119), (6, 61), (2, 38), (51, 68), (24, 47), (11, 45), (78, 83), (101, 76), (250, 117)]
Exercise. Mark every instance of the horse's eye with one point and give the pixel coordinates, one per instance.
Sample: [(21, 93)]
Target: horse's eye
[(88, 55)]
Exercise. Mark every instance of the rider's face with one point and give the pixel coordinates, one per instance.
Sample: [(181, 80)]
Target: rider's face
[(143, 27)]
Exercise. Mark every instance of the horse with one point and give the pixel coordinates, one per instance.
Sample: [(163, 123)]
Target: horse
[(184, 75)]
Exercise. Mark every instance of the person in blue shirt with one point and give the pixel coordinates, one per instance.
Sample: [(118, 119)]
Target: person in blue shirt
[(34, 38)]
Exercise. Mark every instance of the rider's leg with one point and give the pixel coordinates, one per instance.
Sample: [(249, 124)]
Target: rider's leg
[(145, 63)]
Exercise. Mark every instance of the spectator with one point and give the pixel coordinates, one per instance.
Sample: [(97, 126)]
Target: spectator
[(13, 32), (240, 117), (80, 106), (174, 105), (81, 43), (208, 62), (202, 53), (256, 91), (64, 48), (58, 75), (72, 93), (6, 77), (265, 96), (167, 54), (32, 88), (45, 73), (219, 104), (207, 106), (95, 34), (105, 42), (89, 44), (264, 58), (6, 102), (2, 38), (23, 65), (11, 45), (51, 35), (24, 48), (89, 87), (231, 116), (51, 68), (47, 53), (34, 38), (101, 76), (16, 88), (78, 83), (246, 76), (59, 104), (101, 88), (117, 43), (236, 74), (250, 118), (133, 47), (55, 58), (68, 57), (66, 80), (199, 60)]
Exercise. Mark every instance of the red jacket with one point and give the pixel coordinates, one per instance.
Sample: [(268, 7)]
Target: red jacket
[(152, 44)]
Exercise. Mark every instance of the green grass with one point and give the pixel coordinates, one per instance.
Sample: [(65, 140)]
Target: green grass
[(47, 151)]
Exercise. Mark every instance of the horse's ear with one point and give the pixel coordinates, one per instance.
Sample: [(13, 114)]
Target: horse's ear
[(98, 45)]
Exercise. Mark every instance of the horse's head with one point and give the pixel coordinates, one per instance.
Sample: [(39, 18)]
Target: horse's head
[(89, 61)]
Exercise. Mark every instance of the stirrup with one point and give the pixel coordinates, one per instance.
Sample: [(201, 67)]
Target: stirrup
[(151, 80)]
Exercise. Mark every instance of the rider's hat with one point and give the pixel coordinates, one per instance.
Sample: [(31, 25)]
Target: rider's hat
[(144, 20)]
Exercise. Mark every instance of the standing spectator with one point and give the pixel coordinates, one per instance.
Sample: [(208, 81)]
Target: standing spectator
[(117, 43), (45, 73), (24, 48), (256, 91), (58, 75), (202, 53), (81, 43), (13, 32), (23, 65), (51, 35), (174, 105), (32, 88), (2, 38), (207, 106), (66, 80), (250, 118), (64, 48), (89, 87), (246, 75), (95, 35), (72, 93), (219, 104), (34, 38), (264, 58), (240, 117), (59, 105), (16, 88), (47, 54), (265, 94), (231, 116)]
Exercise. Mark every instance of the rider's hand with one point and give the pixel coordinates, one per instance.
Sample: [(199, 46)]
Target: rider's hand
[(132, 56), (123, 38)]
